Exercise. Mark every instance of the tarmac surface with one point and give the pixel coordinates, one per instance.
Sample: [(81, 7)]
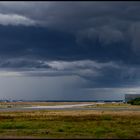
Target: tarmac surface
[(70, 107)]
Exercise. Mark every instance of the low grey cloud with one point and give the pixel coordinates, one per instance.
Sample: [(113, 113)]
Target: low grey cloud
[(13, 19), (96, 74)]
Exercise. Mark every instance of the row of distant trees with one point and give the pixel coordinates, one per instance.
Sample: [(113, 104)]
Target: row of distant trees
[(135, 101)]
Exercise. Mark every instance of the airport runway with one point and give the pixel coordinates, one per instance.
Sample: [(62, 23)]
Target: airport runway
[(70, 108), (60, 106), (100, 109)]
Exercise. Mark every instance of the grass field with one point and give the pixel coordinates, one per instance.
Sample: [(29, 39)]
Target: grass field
[(113, 105), (70, 124)]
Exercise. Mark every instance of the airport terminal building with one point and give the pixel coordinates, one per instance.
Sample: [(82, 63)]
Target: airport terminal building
[(131, 96)]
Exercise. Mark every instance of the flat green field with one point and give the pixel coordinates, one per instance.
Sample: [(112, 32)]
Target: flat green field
[(70, 124)]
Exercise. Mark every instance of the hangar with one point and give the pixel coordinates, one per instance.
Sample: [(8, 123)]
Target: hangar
[(131, 96)]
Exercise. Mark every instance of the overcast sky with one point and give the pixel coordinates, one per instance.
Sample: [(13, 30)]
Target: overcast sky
[(69, 50)]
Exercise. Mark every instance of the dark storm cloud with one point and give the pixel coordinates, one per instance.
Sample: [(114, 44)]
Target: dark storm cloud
[(99, 74), (37, 42), (96, 74), (73, 16), (98, 41), (43, 43)]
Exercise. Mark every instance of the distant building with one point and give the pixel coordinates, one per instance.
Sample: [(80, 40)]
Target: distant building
[(131, 96)]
